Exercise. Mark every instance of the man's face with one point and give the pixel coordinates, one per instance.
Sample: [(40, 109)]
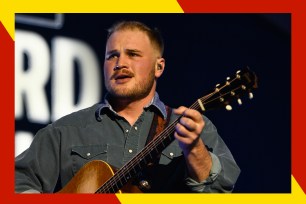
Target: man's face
[(133, 52)]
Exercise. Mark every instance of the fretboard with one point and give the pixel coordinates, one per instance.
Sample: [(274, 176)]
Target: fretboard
[(146, 156)]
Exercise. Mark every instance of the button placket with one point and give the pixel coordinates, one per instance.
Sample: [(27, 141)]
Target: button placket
[(131, 143)]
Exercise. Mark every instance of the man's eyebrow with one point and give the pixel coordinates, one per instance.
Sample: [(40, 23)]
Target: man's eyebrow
[(133, 50), (112, 52)]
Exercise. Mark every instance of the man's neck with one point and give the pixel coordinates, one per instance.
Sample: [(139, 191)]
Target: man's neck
[(130, 109)]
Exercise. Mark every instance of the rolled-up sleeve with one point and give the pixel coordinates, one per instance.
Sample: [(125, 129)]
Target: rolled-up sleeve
[(199, 187), (224, 172)]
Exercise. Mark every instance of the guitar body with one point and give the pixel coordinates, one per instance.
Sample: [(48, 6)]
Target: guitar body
[(92, 176)]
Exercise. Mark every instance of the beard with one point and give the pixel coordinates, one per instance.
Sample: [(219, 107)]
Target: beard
[(138, 90)]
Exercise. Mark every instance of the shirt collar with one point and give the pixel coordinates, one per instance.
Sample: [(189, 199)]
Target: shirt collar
[(155, 102)]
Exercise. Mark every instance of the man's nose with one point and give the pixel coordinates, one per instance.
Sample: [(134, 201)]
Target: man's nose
[(120, 64)]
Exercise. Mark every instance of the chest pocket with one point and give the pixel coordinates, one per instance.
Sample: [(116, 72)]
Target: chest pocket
[(83, 154), (170, 153)]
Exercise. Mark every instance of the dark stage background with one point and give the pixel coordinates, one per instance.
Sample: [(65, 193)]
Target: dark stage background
[(201, 50)]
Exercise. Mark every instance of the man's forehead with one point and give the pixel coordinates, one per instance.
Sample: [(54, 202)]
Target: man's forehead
[(132, 34), (131, 39)]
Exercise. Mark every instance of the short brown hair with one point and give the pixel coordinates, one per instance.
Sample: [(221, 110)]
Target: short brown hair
[(153, 34)]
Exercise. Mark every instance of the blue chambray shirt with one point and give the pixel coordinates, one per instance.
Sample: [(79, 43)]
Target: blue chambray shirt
[(59, 150)]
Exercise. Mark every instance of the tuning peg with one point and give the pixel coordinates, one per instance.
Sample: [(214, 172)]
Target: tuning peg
[(239, 101), (238, 75), (227, 81), (251, 95), (228, 107), (217, 87)]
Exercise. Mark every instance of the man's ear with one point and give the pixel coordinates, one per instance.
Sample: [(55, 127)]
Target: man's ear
[(160, 66)]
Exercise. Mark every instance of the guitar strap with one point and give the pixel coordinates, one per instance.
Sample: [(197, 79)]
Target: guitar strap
[(158, 124)]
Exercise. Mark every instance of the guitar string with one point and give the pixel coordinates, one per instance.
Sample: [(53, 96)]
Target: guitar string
[(146, 151), (123, 172), (108, 185)]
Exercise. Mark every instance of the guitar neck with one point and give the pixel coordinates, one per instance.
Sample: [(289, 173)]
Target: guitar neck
[(234, 87)]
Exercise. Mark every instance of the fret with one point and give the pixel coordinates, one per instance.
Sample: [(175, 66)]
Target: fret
[(112, 190), (119, 184), (122, 181), (135, 168), (164, 145), (144, 160)]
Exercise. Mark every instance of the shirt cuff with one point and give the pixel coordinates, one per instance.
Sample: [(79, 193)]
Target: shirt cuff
[(31, 191), (199, 187)]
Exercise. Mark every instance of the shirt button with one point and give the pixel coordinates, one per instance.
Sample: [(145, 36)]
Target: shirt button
[(126, 130), (88, 154), (171, 154), (130, 151), (135, 128)]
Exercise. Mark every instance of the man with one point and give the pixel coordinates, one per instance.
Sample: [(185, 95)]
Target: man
[(116, 129)]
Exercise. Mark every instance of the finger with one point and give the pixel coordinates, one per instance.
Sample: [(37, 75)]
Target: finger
[(185, 139), (188, 123), (193, 114), (182, 140), (180, 110), (183, 132)]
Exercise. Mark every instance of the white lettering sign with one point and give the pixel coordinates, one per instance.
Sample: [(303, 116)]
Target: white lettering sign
[(36, 65)]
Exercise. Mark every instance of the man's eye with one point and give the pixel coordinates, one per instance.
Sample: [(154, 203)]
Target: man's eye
[(111, 56), (133, 54)]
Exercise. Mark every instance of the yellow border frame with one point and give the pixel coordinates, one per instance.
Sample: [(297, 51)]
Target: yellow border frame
[(8, 8)]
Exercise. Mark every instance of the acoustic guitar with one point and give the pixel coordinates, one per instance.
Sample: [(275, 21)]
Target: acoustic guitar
[(99, 177)]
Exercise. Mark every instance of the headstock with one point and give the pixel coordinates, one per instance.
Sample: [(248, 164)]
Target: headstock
[(242, 83)]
